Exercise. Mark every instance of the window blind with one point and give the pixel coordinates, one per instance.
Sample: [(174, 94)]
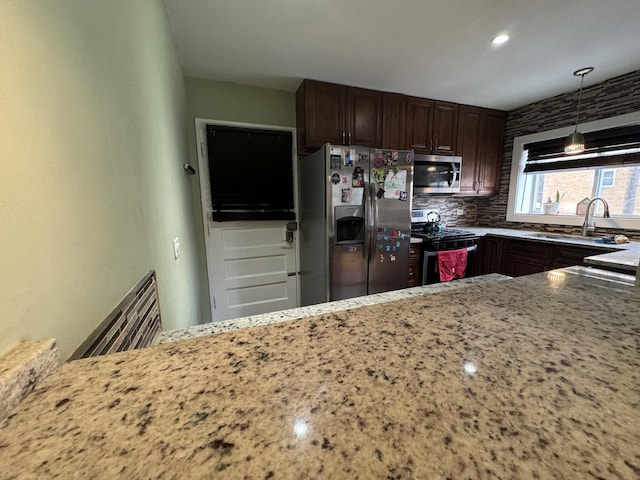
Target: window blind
[(603, 148)]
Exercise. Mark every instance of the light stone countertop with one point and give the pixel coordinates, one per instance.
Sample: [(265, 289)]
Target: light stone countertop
[(622, 259), (321, 308), (533, 377), (550, 237)]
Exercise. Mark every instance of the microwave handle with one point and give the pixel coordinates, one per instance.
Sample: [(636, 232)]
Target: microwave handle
[(455, 178)]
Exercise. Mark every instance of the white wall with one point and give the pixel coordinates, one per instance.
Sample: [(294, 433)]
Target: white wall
[(92, 191)]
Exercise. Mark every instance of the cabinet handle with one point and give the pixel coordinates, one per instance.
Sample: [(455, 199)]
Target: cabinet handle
[(343, 137), (349, 138), (431, 144)]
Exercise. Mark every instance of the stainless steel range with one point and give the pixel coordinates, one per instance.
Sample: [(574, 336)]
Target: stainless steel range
[(425, 224)]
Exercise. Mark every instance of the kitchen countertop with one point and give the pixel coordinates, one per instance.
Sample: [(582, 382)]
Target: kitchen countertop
[(322, 308), (622, 259), (532, 377), (550, 237)]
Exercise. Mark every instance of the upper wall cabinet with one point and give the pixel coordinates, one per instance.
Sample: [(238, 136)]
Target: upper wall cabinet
[(394, 121), (480, 140), (363, 117), (431, 126), (330, 113), (342, 115)]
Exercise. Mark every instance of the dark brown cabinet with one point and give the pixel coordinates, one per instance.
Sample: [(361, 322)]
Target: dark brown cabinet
[(419, 124), (342, 115), (414, 265), (488, 257), (330, 113), (445, 126), (522, 257), (394, 121), (363, 117), (480, 141), (431, 126), (515, 257)]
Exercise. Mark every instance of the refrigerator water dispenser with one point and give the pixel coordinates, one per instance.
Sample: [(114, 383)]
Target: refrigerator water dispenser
[(350, 225)]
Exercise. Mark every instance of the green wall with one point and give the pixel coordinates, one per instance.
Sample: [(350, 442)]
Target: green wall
[(230, 102), (92, 191)]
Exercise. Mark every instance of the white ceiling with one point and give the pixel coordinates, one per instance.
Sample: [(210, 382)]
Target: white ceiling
[(429, 48)]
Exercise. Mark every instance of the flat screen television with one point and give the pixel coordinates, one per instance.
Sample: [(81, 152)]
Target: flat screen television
[(250, 173)]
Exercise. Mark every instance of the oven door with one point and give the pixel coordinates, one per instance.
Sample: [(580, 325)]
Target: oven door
[(436, 174), (430, 273)]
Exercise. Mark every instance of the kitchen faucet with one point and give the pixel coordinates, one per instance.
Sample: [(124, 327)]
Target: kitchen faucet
[(588, 227)]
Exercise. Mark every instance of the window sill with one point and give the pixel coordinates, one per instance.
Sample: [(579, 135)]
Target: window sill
[(575, 220)]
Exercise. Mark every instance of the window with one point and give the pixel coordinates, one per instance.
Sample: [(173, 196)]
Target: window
[(608, 177), (623, 196), (612, 173)]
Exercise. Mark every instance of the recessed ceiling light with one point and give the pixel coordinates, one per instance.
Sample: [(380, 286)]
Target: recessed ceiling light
[(500, 39)]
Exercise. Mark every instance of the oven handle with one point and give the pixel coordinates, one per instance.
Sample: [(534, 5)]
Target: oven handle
[(433, 254)]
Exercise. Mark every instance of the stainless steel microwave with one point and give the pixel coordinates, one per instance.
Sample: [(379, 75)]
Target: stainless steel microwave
[(436, 174)]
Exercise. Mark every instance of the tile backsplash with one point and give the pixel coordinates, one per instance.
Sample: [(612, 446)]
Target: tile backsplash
[(448, 207)]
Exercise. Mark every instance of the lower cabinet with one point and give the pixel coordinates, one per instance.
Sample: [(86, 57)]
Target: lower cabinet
[(515, 257), (414, 264), (488, 257), (522, 257)]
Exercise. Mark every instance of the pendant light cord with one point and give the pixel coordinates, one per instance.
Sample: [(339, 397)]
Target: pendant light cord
[(579, 100)]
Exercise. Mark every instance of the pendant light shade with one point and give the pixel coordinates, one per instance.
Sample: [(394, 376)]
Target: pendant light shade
[(575, 141)]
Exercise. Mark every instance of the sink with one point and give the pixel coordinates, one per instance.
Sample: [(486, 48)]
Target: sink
[(559, 235)]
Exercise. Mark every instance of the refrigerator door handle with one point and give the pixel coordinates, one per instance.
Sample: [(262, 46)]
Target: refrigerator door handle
[(371, 218)]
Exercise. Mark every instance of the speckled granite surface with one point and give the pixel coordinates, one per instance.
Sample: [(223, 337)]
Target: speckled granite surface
[(623, 259), (535, 377), (323, 308), (22, 368), (548, 237)]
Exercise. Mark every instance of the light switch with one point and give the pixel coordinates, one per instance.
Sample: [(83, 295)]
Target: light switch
[(176, 247), (460, 211)]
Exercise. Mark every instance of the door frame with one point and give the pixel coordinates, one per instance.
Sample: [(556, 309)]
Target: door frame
[(205, 194)]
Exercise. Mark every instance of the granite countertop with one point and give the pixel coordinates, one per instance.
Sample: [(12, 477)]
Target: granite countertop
[(550, 237), (322, 308), (622, 259), (533, 377)]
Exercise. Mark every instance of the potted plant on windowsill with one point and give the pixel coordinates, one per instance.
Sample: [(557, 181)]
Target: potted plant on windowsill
[(552, 207)]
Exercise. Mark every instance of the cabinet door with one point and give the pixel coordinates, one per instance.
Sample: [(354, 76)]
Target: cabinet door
[(323, 113), (419, 124), (492, 142), (523, 257), (394, 120), (445, 128), (414, 265), (364, 117), (567, 256), (516, 266), (488, 257), (469, 134)]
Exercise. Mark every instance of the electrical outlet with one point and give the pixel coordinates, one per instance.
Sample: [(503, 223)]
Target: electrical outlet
[(176, 247), (460, 211)]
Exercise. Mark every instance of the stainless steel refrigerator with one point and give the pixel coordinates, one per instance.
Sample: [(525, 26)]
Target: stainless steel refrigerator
[(355, 222)]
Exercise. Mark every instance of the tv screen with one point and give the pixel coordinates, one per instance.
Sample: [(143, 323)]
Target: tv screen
[(251, 173)]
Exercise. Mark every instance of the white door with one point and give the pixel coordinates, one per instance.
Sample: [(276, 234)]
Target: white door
[(252, 268)]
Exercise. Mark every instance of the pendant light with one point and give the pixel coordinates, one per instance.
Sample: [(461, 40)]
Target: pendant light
[(575, 141)]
